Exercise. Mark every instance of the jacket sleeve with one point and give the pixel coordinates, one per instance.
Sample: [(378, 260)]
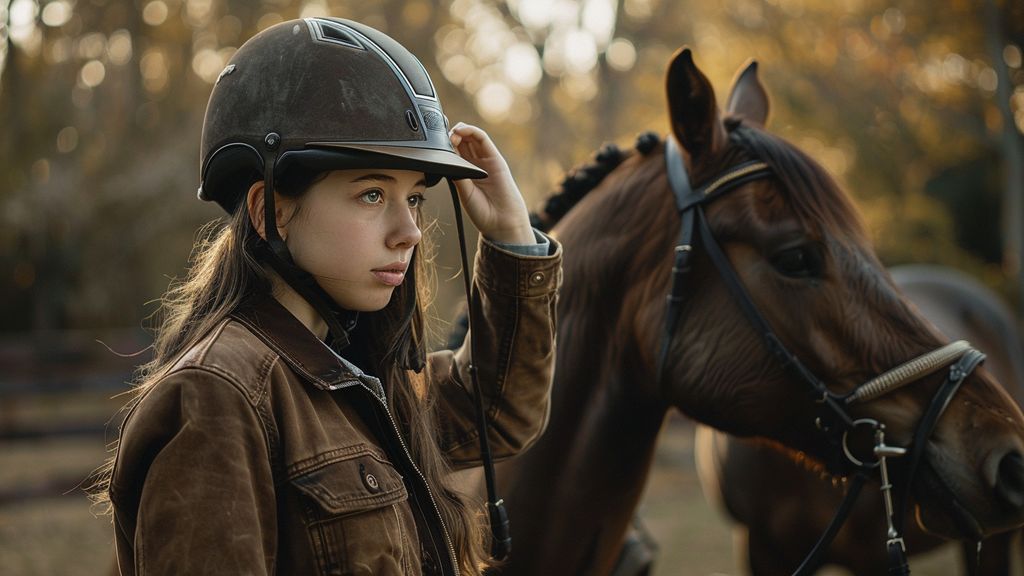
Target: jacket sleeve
[(514, 298), (192, 488)]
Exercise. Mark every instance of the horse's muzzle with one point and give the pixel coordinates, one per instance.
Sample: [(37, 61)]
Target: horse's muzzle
[(955, 505)]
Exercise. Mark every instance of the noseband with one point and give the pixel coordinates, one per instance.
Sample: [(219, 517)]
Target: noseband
[(833, 419)]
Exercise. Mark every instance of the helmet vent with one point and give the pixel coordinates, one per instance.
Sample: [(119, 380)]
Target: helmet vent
[(433, 120), (326, 31), (411, 119)]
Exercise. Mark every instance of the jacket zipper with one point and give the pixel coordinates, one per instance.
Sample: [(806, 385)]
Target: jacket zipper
[(430, 494), (398, 434)]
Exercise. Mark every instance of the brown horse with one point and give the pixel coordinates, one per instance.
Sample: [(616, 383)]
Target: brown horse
[(781, 506), (794, 243)]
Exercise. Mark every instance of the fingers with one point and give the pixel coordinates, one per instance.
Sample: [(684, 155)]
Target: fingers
[(472, 141), (468, 130)]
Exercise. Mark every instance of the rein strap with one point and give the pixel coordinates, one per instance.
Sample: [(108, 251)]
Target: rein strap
[(501, 539)]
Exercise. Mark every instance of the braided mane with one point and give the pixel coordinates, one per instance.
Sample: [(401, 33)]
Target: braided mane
[(581, 180), (576, 184)]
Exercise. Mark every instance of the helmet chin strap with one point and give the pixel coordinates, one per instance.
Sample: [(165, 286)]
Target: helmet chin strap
[(274, 251), (501, 540)]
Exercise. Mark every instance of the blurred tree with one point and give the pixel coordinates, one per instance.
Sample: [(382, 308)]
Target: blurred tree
[(912, 107), (996, 31), (886, 95)]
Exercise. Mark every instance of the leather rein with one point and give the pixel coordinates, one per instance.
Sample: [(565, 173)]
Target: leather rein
[(833, 420)]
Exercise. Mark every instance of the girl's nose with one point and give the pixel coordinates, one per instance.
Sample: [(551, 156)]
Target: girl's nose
[(405, 232)]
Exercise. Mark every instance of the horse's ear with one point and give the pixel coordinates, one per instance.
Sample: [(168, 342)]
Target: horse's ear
[(748, 99), (692, 108)]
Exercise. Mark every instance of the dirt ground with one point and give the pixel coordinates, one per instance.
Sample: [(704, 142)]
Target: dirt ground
[(60, 535)]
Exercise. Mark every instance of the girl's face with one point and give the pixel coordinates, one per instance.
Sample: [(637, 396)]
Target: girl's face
[(355, 232)]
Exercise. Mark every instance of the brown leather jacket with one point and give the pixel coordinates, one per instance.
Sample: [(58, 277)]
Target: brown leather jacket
[(260, 453)]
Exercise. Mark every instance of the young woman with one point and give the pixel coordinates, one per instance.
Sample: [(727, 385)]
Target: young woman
[(291, 422)]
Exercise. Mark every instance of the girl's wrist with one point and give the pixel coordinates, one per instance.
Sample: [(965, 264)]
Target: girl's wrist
[(522, 235)]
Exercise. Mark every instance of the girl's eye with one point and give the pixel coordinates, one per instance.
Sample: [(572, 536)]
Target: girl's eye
[(416, 200), (372, 196)]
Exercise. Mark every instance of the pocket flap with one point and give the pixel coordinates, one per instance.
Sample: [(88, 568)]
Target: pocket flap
[(357, 483)]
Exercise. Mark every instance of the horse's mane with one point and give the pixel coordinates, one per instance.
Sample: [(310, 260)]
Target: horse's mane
[(802, 178), (577, 183), (582, 179)]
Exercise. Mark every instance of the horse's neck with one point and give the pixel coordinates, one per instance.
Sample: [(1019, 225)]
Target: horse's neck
[(573, 495), (580, 485)]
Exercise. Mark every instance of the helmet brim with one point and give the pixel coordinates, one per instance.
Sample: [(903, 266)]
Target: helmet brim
[(436, 164)]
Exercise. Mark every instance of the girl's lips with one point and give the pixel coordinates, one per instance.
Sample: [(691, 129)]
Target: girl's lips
[(390, 277)]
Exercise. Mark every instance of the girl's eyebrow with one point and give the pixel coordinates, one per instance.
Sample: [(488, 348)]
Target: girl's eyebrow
[(384, 178)]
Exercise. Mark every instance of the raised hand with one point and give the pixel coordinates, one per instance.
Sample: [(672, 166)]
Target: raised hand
[(494, 204)]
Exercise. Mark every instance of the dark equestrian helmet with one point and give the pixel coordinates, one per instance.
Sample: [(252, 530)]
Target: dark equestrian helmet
[(322, 94)]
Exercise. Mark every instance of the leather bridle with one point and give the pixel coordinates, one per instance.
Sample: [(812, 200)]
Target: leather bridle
[(833, 418)]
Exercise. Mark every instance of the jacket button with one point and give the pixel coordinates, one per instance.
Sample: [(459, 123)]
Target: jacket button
[(371, 482), (537, 278)]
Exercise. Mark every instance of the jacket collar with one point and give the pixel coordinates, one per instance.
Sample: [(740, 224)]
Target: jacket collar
[(306, 354)]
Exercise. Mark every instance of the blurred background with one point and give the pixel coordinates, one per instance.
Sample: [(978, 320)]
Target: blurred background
[(915, 106)]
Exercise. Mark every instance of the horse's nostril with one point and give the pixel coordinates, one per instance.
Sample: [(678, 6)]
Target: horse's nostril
[(1010, 480)]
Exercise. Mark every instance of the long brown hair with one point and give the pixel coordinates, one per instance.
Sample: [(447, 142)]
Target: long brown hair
[(224, 270)]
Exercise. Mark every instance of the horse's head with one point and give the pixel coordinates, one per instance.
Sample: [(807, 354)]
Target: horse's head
[(798, 248)]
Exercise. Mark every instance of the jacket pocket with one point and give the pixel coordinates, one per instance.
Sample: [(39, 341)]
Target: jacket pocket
[(358, 517)]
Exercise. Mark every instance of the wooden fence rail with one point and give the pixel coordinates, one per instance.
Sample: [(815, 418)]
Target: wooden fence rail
[(58, 386)]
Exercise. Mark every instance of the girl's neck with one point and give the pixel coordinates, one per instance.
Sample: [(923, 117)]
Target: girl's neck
[(299, 307)]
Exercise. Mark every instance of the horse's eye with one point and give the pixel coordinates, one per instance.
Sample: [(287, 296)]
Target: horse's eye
[(799, 262)]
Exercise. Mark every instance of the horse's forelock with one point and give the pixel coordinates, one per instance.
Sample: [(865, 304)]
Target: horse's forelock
[(812, 193)]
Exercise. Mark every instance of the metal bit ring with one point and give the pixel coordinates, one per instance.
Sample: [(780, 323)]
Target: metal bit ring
[(875, 424)]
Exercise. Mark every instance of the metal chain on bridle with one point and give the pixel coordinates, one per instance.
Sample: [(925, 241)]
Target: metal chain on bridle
[(834, 420)]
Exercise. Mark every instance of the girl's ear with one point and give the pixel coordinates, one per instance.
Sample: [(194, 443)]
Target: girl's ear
[(254, 204)]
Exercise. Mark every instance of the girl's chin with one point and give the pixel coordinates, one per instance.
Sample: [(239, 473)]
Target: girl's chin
[(367, 303)]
